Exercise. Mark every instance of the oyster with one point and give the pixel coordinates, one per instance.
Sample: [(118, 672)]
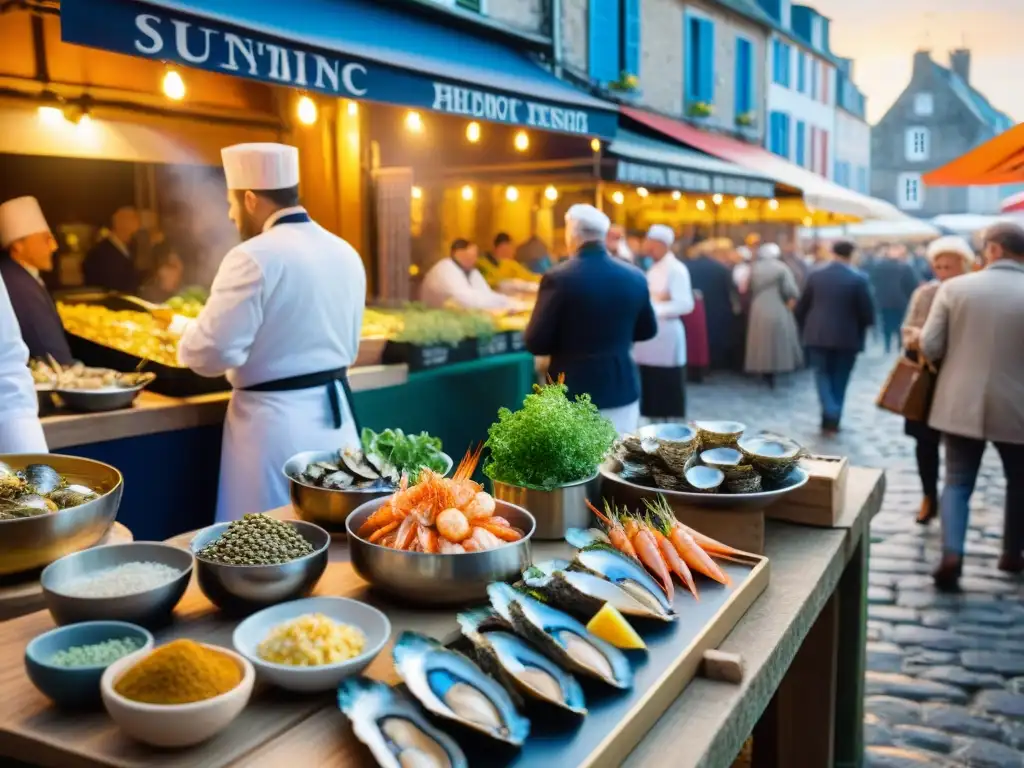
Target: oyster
[(336, 481), (65, 498), (584, 593), (704, 479), (35, 501), (42, 478), (397, 734), (722, 458), (451, 686), (518, 665), (715, 434), (623, 570), (772, 457), (742, 479), (560, 637), (356, 465)]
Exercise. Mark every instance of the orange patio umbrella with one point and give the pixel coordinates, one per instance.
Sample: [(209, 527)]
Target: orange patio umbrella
[(998, 161)]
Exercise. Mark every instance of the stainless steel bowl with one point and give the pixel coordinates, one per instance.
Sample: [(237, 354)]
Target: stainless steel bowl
[(557, 510), (422, 579), (33, 542), (150, 608), (325, 507), (97, 400), (242, 589)]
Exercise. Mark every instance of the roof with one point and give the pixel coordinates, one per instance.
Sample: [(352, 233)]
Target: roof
[(749, 9), (975, 101)]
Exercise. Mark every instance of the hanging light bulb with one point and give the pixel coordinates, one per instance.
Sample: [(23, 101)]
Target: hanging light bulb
[(353, 109), (51, 116), (467, 193), (773, 204), (701, 205), (595, 145), (173, 85), (417, 193), (511, 194), (740, 202), (642, 191), (717, 199), (676, 194), (808, 221), (413, 122), (473, 132), (551, 193), (307, 110), (618, 198), (522, 141)]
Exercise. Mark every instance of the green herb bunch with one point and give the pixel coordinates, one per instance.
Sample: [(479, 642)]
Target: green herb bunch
[(408, 453), (550, 441)]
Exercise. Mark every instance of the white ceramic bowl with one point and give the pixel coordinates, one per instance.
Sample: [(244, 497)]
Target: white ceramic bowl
[(371, 622), (175, 725)]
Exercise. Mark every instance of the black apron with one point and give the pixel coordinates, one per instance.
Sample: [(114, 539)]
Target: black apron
[(330, 380)]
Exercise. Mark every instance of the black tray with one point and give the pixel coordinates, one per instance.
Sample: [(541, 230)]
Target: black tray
[(498, 344), (425, 358)]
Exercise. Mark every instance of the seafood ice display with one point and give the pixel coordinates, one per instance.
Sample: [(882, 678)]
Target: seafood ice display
[(440, 515), (38, 489), (709, 457)]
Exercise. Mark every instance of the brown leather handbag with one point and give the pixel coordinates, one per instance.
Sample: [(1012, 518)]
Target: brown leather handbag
[(908, 390)]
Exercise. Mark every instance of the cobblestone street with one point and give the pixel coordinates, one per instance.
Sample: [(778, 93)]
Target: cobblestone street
[(945, 679)]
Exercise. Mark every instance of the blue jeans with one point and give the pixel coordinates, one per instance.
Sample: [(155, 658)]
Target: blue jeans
[(892, 320), (832, 369), (963, 460)]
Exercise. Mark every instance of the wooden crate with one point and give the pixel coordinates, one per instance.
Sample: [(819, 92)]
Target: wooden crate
[(820, 501)]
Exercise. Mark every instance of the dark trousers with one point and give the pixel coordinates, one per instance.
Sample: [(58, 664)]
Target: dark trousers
[(963, 460), (928, 463), (892, 320), (832, 369)]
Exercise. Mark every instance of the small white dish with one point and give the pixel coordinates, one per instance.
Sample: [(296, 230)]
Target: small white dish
[(372, 623), (175, 725)]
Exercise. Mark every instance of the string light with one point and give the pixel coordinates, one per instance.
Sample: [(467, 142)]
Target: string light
[(595, 145), (174, 86), (618, 198), (473, 132), (511, 194), (307, 111), (467, 193), (773, 204), (808, 221), (642, 191), (717, 199), (417, 193), (701, 205), (414, 122), (353, 109), (551, 193), (740, 202), (677, 195), (522, 141)]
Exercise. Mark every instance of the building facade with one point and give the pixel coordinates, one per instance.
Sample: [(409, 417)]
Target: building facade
[(938, 117), (853, 134)]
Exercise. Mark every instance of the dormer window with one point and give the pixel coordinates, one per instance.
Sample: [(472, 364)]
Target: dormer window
[(924, 104)]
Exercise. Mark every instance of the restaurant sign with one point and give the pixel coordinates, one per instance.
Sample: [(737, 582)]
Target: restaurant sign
[(688, 180), (140, 29)]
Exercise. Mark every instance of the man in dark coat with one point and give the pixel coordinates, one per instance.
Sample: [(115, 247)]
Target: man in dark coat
[(590, 310), (834, 311), (721, 299), (28, 248), (894, 281), (110, 263)]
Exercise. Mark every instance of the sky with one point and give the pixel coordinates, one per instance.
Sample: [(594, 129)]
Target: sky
[(882, 35)]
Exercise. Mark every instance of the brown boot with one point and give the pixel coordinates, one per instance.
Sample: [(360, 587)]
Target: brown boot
[(1011, 563), (947, 575), (929, 509)]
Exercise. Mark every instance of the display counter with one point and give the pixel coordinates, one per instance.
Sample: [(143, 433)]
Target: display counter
[(168, 449)]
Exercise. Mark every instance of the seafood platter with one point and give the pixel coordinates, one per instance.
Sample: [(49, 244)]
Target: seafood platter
[(82, 388), (707, 464)]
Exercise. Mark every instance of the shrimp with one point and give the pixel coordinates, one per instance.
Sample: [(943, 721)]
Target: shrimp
[(468, 464), (453, 525), (383, 531), (674, 561), (616, 534), (503, 532), (446, 547), (463, 492), (383, 516), (480, 507), (427, 538), (485, 539), (406, 533)]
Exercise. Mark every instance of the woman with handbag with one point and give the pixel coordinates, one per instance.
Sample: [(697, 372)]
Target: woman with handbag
[(949, 256)]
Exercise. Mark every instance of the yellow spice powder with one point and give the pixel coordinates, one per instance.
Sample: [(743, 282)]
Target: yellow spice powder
[(180, 672)]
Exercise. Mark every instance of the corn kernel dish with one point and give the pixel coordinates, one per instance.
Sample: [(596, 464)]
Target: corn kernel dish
[(311, 640)]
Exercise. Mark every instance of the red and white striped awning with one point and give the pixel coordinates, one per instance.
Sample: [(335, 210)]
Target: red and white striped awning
[(1013, 204)]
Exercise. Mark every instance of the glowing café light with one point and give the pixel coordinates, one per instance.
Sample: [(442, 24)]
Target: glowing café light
[(618, 198), (701, 205), (174, 86), (551, 193), (51, 116), (467, 193), (353, 109), (642, 191), (511, 194), (595, 145), (808, 221), (677, 195), (84, 123), (473, 132), (414, 122), (740, 202), (773, 204), (717, 199), (522, 141), (307, 111), (417, 193)]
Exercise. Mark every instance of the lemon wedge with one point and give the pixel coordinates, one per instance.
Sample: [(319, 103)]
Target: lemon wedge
[(610, 626)]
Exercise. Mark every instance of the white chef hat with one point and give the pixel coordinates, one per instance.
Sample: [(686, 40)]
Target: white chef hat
[(953, 244), (20, 218), (662, 233), (261, 166), (769, 251), (586, 224)]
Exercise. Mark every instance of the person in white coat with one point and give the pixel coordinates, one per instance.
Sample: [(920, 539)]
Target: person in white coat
[(20, 429), (456, 281), (662, 360), (283, 322)]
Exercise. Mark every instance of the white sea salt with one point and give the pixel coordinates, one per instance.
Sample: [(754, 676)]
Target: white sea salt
[(124, 579)]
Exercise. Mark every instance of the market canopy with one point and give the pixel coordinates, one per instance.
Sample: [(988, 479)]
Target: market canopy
[(647, 162), (998, 161), (1013, 204), (356, 49), (818, 192)]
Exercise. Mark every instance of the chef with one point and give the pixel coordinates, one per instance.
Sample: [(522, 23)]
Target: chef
[(456, 281), (283, 322), (20, 430), (28, 248), (662, 360)]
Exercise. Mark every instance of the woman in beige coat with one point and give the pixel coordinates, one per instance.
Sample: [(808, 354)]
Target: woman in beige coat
[(773, 341), (949, 257)]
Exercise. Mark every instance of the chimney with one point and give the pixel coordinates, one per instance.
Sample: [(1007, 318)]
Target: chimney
[(960, 62), (922, 62)]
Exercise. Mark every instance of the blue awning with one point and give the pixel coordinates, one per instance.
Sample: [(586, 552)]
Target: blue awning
[(352, 48)]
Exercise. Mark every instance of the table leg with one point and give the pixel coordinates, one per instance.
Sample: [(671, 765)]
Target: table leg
[(853, 616)]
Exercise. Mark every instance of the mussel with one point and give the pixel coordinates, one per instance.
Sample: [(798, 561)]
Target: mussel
[(560, 637), (356, 465), (394, 729), (336, 481), (583, 593), (42, 478), (65, 498), (620, 569), (519, 666), (451, 686)]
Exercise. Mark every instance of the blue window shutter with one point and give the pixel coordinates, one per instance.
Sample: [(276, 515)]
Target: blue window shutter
[(604, 41), (690, 58), (815, 67), (801, 142), (631, 36), (707, 61), (744, 76), (801, 72), (785, 136)]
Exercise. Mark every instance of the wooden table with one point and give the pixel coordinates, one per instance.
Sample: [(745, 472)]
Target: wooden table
[(806, 706)]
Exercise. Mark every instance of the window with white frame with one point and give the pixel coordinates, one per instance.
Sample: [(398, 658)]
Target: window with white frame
[(910, 192), (918, 144), (924, 104)]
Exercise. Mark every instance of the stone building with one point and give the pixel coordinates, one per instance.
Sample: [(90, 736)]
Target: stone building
[(937, 118), (852, 134)]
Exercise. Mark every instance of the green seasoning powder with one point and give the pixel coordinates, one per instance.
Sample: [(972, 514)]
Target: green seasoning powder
[(96, 655)]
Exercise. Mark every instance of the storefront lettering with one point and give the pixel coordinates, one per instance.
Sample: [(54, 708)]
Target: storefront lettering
[(457, 100), (667, 177)]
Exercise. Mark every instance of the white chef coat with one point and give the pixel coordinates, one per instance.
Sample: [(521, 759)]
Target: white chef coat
[(287, 302), (20, 429), (668, 348), (447, 281)]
